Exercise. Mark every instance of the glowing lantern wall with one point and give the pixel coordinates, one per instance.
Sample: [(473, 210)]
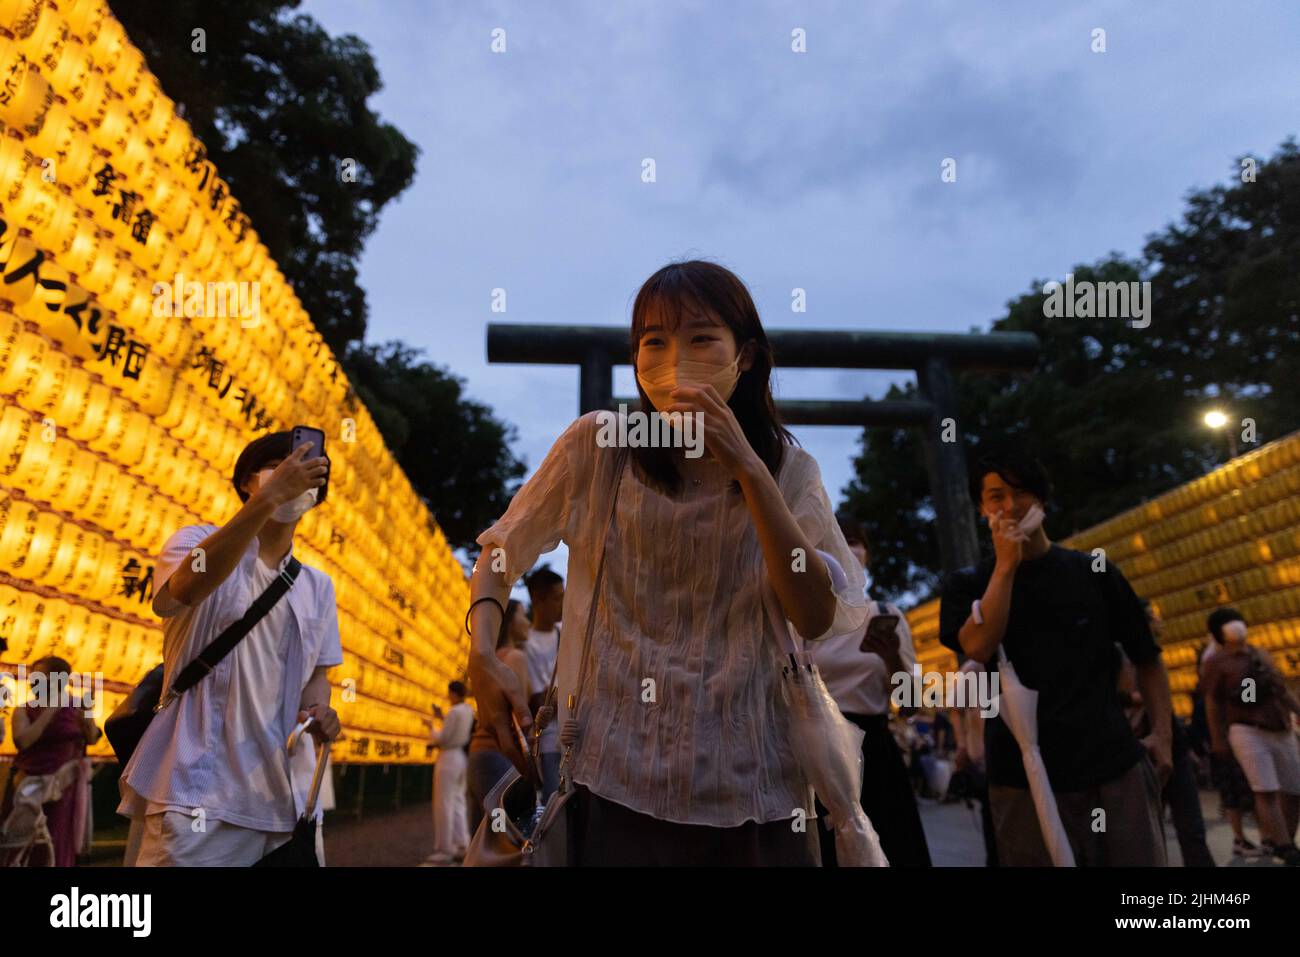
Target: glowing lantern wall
[(124, 404)]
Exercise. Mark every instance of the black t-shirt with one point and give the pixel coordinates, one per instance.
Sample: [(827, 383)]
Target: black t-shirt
[(1065, 620)]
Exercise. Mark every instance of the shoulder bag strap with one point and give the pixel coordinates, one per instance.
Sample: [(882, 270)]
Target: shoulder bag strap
[(568, 734), (224, 643)]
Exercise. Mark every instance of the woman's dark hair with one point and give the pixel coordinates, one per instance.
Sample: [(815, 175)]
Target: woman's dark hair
[(678, 291), (1017, 469), (503, 636), (458, 688), (261, 452), (1220, 617)]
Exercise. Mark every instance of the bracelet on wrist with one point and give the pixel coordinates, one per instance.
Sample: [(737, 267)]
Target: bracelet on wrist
[(477, 601)]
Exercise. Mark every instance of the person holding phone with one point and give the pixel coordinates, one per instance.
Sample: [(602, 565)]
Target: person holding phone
[(859, 670), (1058, 613), (210, 783)]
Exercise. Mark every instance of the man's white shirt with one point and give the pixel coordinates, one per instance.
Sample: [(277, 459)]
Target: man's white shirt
[(221, 745), (542, 650)]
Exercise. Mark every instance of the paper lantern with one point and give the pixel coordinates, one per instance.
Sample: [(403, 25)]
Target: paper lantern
[(89, 567), (33, 455), (83, 250), (63, 560), (114, 126), (90, 424), (27, 358), (36, 534), (20, 619), (11, 327), (25, 95), (43, 394), (53, 483), (108, 45), (19, 16), (129, 72), (89, 106), (85, 17), (160, 121), (19, 259), (69, 78), (49, 37), (68, 645)]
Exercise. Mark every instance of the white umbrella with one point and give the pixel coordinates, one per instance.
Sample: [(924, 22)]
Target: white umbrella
[(1019, 708), (827, 746), (829, 750)]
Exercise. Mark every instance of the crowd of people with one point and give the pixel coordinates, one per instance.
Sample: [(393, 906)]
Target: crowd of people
[(654, 696)]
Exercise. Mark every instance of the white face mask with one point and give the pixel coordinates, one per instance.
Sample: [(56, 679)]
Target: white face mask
[(660, 381), (293, 509)]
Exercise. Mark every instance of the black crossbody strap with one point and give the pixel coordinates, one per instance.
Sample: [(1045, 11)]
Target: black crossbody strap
[(225, 642)]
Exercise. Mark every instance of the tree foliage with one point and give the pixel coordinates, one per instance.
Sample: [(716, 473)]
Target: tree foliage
[(280, 105), (1114, 411)]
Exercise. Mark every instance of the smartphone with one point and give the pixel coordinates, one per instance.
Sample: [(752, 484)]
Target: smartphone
[(306, 435), (881, 631), (1033, 518)]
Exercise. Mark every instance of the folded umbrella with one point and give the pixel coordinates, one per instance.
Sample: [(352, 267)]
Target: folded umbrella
[(829, 750), (827, 745), (1019, 709), (300, 849)]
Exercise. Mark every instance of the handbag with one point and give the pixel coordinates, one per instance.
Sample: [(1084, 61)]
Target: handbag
[(127, 724), (504, 837)]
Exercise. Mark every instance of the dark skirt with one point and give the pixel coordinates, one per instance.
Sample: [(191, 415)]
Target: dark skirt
[(887, 799), (606, 834)]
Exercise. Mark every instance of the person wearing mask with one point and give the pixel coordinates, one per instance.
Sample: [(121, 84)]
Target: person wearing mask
[(1057, 614), (679, 751), (1249, 708), (450, 821), (859, 670), (546, 595), (210, 782), (50, 732), (487, 765)]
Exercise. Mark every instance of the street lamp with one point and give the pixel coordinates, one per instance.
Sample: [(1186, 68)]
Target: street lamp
[(1216, 420)]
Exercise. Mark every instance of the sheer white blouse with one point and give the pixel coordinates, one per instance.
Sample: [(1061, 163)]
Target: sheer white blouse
[(681, 716)]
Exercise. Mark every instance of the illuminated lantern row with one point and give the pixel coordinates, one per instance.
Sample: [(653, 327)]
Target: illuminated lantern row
[(1230, 537), (146, 336)]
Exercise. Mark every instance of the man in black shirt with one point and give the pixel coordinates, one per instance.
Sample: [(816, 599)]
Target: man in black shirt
[(1058, 614)]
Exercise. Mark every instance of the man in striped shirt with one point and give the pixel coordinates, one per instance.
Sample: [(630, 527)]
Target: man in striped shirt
[(210, 783)]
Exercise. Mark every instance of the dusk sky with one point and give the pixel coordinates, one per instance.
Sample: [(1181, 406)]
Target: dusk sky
[(818, 170)]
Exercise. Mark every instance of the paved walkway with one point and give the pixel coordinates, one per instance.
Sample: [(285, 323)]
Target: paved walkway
[(404, 838), (955, 835)]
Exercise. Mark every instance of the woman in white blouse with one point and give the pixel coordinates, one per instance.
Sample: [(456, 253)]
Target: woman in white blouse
[(682, 755)]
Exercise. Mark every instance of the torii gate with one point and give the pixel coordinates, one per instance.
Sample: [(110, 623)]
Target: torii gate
[(935, 358)]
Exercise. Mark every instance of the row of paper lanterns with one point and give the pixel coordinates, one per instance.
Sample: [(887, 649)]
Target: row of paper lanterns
[(49, 380)]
